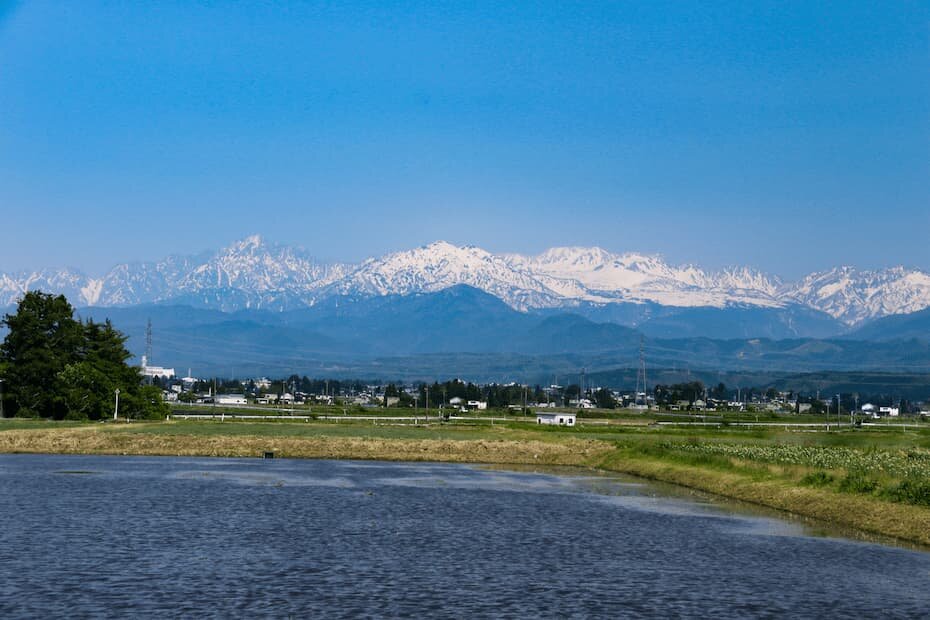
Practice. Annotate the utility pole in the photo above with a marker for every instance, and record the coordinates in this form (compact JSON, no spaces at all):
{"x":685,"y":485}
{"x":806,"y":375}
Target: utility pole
{"x":427,"y":404}
{"x":116,"y":408}
{"x":581,"y":388}
{"x":1,"y":398}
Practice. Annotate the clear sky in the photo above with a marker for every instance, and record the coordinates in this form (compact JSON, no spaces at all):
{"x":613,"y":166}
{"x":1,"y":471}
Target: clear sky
{"x":791,"y":136}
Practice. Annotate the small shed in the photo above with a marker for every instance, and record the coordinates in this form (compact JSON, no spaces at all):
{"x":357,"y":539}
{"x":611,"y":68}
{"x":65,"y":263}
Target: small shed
{"x":556,"y":418}
{"x":231,"y":399}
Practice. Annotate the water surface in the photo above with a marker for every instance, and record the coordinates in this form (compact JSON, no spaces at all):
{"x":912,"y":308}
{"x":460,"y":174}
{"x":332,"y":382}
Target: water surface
{"x":117,"y":536}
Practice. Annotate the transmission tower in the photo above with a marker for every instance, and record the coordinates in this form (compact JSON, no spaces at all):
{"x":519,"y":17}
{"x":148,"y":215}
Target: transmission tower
{"x":641,"y":374}
{"x":148,"y":340}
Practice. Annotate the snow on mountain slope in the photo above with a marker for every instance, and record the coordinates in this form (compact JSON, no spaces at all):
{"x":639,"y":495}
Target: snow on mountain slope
{"x":255,"y":274}
{"x":247,"y":274}
{"x":67,"y":282}
{"x":263,"y":270}
{"x":855,"y":296}
{"x":440,"y":265}
{"x":640,"y":278}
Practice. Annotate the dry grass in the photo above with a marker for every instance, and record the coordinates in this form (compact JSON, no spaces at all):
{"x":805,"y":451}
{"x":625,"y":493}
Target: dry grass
{"x":103,"y":441}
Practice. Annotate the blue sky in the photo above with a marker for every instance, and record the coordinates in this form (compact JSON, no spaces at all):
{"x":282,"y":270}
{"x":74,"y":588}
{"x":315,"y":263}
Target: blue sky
{"x":791,"y":136}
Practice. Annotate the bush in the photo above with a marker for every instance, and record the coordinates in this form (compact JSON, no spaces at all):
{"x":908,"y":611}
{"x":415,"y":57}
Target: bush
{"x":911,"y":491}
{"x":817,"y":479}
{"x":858,"y":482}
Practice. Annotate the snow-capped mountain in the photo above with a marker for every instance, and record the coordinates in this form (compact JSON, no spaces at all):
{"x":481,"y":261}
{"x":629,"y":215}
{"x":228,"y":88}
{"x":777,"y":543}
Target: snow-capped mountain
{"x":260,"y":275}
{"x":440,"y":265}
{"x":255,"y":274}
{"x":605,"y":277}
{"x":854,"y":296}
{"x":248,"y":274}
{"x":73,"y":284}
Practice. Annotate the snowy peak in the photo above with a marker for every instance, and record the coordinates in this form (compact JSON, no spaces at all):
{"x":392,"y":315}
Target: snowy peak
{"x":644,"y":278}
{"x":855,"y":296}
{"x":67,"y":282}
{"x":249,"y":244}
{"x":440,"y":265}
{"x":253,"y":273}
{"x":261,"y":274}
{"x":748,"y":279}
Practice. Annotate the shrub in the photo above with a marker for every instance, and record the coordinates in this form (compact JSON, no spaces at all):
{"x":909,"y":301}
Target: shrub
{"x":858,"y":482}
{"x":817,"y":479}
{"x":911,"y":491}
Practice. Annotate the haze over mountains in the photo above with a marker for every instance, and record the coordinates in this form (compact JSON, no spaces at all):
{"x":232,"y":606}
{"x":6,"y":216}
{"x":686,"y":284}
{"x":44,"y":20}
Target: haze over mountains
{"x":627,"y":288}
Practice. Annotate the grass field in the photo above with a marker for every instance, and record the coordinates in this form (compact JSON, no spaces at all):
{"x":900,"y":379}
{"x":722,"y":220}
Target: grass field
{"x":875,"y":479}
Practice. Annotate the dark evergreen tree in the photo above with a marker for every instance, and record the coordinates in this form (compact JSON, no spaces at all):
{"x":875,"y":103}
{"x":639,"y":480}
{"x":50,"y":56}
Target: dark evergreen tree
{"x":55,"y":366}
{"x":43,"y":339}
{"x":604,"y":399}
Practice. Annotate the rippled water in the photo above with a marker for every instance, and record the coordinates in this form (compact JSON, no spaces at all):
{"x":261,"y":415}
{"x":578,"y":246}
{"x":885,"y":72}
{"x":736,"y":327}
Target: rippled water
{"x":131,"y":536}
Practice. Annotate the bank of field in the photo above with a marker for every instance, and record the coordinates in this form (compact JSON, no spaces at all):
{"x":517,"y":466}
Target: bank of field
{"x":875,"y":480}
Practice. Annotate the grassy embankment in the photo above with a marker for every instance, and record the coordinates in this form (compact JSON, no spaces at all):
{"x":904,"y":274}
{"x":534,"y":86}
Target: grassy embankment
{"x":873,"y":480}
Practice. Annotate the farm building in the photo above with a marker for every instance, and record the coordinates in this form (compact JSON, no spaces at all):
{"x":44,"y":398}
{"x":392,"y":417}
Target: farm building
{"x":561,"y":419}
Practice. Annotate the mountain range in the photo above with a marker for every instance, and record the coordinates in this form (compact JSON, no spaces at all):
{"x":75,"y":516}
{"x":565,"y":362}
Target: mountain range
{"x":462,"y":331}
{"x":631,"y":289}
{"x":441,"y":310}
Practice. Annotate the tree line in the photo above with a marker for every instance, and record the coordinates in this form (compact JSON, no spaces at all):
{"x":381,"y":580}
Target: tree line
{"x":53,"y":365}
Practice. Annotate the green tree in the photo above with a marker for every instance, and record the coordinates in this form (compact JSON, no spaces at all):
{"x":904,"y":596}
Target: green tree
{"x":55,"y":366}
{"x":143,"y":402}
{"x":86,"y":391}
{"x":604,"y":399}
{"x":105,"y":349}
{"x":43,"y":339}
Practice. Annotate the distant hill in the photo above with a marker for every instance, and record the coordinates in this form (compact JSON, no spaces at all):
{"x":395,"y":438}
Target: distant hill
{"x":463,"y":330}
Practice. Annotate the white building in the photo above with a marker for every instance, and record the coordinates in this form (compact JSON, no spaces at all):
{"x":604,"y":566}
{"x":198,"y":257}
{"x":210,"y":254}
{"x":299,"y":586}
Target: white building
{"x":230,"y":399}
{"x":188,"y":382}
{"x":557,"y":418}
{"x":889,"y":411}
{"x":155,"y":371}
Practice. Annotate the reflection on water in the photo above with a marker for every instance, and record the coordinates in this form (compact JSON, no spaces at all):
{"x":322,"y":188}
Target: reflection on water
{"x":237,"y":537}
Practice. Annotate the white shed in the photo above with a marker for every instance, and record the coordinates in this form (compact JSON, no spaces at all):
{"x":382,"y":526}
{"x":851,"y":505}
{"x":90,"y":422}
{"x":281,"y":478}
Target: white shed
{"x":554,"y":417}
{"x":230,"y":399}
